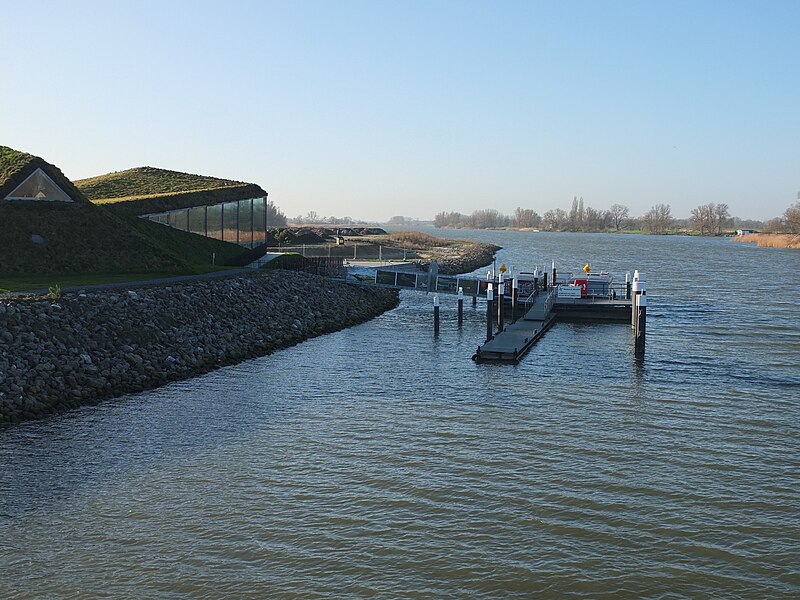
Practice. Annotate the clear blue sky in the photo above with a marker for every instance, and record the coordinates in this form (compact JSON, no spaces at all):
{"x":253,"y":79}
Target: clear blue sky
{"x":372,"y":109}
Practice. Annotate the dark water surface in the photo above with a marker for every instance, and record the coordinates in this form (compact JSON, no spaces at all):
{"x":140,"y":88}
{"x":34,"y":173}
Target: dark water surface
{"x":379,"y":461}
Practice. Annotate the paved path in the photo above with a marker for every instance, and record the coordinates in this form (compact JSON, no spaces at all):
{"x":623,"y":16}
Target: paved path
{"x":134,"y":284}
{"x":256,"y":264}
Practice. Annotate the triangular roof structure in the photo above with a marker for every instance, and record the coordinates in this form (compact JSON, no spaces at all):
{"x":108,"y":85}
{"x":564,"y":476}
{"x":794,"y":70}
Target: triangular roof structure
{"x":24,"y":177}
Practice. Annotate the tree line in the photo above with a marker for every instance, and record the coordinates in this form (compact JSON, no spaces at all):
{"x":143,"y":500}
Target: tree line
{"x":706,"y":219}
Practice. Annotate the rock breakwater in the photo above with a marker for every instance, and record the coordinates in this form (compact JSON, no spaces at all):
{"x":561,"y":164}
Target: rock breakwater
{"x":86,"y":347}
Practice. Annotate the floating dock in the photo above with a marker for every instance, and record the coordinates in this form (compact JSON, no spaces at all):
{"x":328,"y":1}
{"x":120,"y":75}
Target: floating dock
{"x":537,"y":301}
{"x":518,"y":338}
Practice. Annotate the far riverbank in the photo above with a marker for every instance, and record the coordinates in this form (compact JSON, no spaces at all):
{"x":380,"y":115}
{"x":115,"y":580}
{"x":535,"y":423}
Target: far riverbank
{"x":771,"y":240}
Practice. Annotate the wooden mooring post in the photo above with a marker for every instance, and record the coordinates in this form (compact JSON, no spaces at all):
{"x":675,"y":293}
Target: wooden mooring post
{"x":436,"y":315}
{"x":460,"y":306}
{"x":641,"y":325}
{"x":639,"y":312}
{"x":489,"y":313}
{"x":634,"y":292}
{"x":514,"y":299}
{"x":501,"y":289}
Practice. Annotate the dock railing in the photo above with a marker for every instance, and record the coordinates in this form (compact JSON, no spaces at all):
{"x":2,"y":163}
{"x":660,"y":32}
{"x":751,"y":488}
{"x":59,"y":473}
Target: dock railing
{"x":615,"y":292}
{"x":551,"y":298}
{"x":530,"y":300}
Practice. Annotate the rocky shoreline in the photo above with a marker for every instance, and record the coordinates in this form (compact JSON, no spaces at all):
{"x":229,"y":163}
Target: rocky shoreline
{"x":89,"y":346}
{"x":466,"y":259}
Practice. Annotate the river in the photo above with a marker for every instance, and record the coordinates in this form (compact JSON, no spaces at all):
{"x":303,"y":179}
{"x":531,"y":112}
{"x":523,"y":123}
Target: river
{"x":379,"y":461}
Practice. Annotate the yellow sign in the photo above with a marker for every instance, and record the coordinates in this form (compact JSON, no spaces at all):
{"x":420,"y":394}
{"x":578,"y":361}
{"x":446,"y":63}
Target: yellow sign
{"x":503,"y":269}
{"x":586,"y":268}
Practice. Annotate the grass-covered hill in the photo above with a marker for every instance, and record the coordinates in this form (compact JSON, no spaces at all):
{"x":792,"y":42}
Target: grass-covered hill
{"x":148,"y":181}
{"x":80,"y":237}
{"x":146,"y":190}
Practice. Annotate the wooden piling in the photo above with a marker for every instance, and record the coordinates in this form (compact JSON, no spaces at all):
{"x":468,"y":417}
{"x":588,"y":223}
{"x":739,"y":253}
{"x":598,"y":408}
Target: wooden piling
{"x":436,"y":315}
{"x":641,"y":325}
{"x":501,"y":288}
{"x":460,"y":306}
{"x":627,"y":286}
{"x":514,"y":299}
{"x":489,"y":313}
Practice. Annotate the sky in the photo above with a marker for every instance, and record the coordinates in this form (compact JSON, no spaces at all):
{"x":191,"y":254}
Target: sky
{"x":374,"y":109}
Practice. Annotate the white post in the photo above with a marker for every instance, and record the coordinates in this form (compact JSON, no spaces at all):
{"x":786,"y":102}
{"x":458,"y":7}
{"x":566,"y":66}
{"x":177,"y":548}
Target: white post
{"x":489,"y":312}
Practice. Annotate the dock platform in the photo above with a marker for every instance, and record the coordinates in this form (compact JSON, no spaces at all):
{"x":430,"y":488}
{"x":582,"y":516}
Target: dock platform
{"x":518,"y":338}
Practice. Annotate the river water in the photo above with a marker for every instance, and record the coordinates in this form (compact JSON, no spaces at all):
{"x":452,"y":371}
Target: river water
{"x":379,"y":461}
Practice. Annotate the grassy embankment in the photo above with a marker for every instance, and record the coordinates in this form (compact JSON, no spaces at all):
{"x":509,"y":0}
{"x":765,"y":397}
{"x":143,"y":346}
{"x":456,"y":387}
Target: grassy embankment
{"x":97,"y":243}
{"x":83,"y":249}
{"x":771,"y":240}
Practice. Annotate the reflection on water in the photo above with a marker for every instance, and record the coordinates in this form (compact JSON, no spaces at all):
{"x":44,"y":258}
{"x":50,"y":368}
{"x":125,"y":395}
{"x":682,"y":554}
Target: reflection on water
{"x":381,"y":460}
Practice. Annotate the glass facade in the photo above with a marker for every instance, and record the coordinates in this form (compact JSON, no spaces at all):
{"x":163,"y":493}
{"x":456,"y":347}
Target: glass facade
{"x":214,"y":221}
{"x":230,"y":225}
{"x":179,"y":219}
{"x":259,"y":222}
{"x":242,"y":222}
{"x":246,"y":223}
{"x":197,"y":220}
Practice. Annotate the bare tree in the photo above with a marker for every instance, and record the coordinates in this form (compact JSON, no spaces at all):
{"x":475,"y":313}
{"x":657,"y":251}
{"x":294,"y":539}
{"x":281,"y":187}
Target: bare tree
{"x":710,"y":218}
{"x":792,"y":218}
{"x":555,"y":220}
{"x":618,"y":214}
{"x":723,"y":217}
{"x":658,"y":219}
{"x":525,"y":217}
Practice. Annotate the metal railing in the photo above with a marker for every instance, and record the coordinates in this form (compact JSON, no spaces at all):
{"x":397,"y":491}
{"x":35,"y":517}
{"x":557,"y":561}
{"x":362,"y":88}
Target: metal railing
{"x":365,"y":251}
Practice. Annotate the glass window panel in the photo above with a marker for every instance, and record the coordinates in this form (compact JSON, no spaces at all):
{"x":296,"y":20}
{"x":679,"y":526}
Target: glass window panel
{"x":178,"y":219}
{"x":386,"y":277}
{"x":197,"y":220}
{"x":408,"y":280}
{"x":214,"y":216}
{"x":246,"y":223}
{"x":38,"y":186}
{"x":259,"y":236}
{"x":446,"y":284}
{"x":229,"y":221}
{"x":470,"y":286}
{"x":162,"y":218}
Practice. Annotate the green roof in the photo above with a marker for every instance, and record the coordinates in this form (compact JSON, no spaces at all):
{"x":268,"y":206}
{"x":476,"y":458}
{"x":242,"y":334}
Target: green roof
{"x":11,"y":162}
{"x":81,"y":237}
{"x":146,"y":182}
{"x":146,"y":190}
